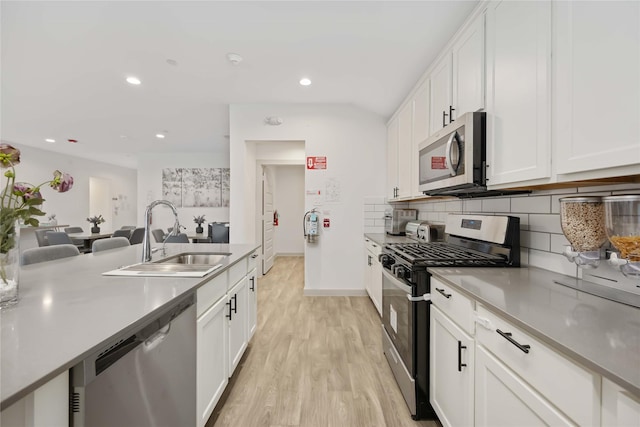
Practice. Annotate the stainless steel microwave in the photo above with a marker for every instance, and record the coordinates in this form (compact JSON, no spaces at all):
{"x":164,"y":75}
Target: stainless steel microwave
{"x":453,"y":160}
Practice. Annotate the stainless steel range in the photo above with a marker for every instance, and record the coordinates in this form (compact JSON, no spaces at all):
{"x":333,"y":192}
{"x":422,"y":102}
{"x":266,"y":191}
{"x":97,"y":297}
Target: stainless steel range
{"x":471,"y":241}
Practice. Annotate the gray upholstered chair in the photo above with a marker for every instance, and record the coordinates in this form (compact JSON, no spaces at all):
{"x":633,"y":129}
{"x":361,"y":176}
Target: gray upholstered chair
{"x":110,"y":243}
{"x":42,"y":241}
{"x":180,"y":238}
{"x":158,"y":235}
{"x":47,"y":253}
{"x":123,"y":232}
{"x":128,"y":227}
{"x":59,"y":238}
{"x":137,"y":236}
{"x":73,"y":230}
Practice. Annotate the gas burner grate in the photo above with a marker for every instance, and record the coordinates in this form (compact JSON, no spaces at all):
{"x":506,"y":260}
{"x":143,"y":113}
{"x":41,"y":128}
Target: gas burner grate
{"x":445,"y":255}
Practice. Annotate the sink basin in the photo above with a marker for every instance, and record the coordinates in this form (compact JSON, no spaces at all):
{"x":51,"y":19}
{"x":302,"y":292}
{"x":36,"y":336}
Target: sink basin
{"x":188,"y":258}
{"x":186,"y":264}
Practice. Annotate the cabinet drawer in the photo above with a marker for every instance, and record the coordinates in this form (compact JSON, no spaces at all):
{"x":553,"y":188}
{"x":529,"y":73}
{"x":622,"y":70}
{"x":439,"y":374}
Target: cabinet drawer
{"x":373,"y":247}
{"x":571,"y":388}
{"x":210,"y":292}
{"x":252,"y":259}
{"x":452,"y":303}
{"x":237,"y":272}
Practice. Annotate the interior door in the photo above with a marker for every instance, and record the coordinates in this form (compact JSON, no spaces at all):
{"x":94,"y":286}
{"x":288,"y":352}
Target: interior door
{"x":267,"y":223}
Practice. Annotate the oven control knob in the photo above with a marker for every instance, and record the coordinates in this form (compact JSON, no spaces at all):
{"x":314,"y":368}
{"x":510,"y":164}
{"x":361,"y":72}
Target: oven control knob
{"x":400,"y":271}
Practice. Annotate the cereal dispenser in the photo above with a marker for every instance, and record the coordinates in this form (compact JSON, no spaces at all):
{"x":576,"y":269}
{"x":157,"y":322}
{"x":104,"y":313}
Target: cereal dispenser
{"x":622,"y":223}
{"x":582,"y":221}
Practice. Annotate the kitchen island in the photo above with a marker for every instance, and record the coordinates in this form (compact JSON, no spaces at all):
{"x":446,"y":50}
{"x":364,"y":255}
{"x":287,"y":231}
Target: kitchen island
{"x":67,"y":309}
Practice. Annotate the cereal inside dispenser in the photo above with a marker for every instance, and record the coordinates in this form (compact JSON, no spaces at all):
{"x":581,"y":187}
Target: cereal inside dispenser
{"x":582,"y":221}
{"x":622,"y":220}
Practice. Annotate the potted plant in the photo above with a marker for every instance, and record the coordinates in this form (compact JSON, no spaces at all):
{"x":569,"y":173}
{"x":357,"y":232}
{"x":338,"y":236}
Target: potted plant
{"x":96,"y":221}
{"x":199,"y":220}
{"x":52,"y":219}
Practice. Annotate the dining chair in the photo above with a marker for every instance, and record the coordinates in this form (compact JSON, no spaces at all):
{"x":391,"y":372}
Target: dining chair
{"x":180,"y":238}
{"x":123,"y":232}
{"x":137,"y":236}
{"x":47,"y":253}
{"x":59,"y":238}
{"x":73,"y":230}
{"x":128,"y":227}
{"x":40,"y":237}
{"x":110,"y":243}
{"x":158,"y":235}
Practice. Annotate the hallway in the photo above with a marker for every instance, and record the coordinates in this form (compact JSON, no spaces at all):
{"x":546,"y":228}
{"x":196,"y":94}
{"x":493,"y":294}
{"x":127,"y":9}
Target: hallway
{"x":313,"y":361}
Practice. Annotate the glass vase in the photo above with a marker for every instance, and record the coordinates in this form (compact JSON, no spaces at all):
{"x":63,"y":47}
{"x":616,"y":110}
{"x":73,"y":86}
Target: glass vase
{"x":9,"y":264}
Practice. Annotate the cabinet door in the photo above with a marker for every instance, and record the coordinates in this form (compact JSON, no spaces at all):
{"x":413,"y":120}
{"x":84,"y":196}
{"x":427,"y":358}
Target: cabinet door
{"x":238,"y":327}
{"x":468,"y":69}
{"x":451,"y":368}
{"x":619,"y":407}
{"x":392,"y":159}
{"x":596,"y":91}
{"x":518,"y":100}
{"x":440,"y":94}
{"x":253,"y":303}
{"x":420,"y":130}
{"x":212,"y":358}
{"x":376,"y":283}
{"x":368,"y":265}
{"x":503,"y":399}
{"x":405,"y":145}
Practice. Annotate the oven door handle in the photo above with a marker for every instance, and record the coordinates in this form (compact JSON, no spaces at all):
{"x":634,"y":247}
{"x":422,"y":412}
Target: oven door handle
{"x":397,"y":283}
{"x":425,"y":297}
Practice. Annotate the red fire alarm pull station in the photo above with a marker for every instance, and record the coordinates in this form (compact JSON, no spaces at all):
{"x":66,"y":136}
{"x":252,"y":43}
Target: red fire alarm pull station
{"x":326,"y":223}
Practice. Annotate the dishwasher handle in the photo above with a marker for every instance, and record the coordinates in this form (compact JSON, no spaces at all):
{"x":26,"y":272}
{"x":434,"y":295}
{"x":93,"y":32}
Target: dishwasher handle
{"x":156,"y":339}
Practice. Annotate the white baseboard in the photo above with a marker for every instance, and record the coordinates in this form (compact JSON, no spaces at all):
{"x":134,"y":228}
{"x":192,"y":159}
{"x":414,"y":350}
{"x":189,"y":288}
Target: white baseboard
{"x":289,"y":254}
{"x":335,"y":293}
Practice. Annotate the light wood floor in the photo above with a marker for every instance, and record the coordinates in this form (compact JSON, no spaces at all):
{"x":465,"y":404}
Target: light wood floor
{"x":313,"y":361}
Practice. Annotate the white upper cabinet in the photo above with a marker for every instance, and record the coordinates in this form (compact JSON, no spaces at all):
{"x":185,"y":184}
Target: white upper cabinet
{"x":405,"y":146}
{"x":468,"y":69}
{"x":392,"y":159}
{"x":596,"y":91}
{"x":420,"y":129}
{"x":440,"y":105}
{"x":518,"y":92}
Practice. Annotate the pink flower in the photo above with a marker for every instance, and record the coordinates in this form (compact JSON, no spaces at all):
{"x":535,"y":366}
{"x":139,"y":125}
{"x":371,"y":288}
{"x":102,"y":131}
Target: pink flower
{"x":62,"y":182}
{"x":9,"y":155}
{"x":26,"y":191}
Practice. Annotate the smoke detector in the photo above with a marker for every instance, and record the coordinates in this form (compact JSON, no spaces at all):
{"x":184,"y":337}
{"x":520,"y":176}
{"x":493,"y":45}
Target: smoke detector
{"x":234,"y":58}
{"x":273,"y":121}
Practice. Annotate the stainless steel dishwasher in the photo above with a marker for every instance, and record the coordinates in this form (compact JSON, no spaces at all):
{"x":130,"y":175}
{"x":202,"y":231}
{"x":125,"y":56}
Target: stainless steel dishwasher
{"x":144,"y":378}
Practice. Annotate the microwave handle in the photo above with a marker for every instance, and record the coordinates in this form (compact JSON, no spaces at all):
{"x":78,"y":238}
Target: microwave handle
{"x":453,"y":171}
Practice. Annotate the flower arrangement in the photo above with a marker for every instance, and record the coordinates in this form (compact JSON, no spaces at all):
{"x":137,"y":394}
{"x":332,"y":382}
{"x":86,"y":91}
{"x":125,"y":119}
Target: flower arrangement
{"x":96,"y":220}
{"x":199,"y":220}
{"x":19,"y":201}
{"x":51,"y":217}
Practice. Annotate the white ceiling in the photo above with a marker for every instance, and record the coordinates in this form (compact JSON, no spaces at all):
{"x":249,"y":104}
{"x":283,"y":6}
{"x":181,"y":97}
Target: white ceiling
{"x":64,"y":65}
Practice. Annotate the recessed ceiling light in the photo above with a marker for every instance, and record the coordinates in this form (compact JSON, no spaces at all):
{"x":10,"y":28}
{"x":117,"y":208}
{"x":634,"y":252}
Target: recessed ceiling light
{"x":50,"y":140}
{"x":133,"y":80}
{"x":172,"y":62}
{"x":234,"y":58}
{"x":305,"y":82}
{"x":160,"y":135}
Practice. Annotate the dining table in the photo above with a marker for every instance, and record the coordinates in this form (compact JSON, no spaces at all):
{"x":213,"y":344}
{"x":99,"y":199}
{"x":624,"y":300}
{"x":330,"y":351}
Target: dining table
{"x":88,"y":238}
{"x":199,"y":237}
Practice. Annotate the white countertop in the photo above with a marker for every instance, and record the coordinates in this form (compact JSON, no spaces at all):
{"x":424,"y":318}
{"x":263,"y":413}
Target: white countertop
{"x":67,"y":308}
{"x":601,"y":334}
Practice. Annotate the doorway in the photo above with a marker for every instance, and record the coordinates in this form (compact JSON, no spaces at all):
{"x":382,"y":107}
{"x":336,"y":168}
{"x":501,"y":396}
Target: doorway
{"x":100,"y":200}
{"x":267,"y":219}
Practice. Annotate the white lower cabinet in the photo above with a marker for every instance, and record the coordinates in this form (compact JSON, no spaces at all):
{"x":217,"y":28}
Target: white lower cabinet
{"x":503,"y":399}
{"x":253,"y":303}
{"x":619,"y":407}
{"x":238,"y":299}
{"x":452,"y":367}
{"x":212,"y":358}
{"x":373,"y":273}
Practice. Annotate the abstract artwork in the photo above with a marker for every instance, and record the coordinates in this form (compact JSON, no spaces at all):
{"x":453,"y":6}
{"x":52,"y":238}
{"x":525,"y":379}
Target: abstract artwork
{"x":196,"y":187}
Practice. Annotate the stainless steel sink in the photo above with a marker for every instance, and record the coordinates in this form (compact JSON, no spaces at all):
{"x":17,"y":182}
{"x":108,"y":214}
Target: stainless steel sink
{"x":207,"y":258}
{"x":186,"y":264}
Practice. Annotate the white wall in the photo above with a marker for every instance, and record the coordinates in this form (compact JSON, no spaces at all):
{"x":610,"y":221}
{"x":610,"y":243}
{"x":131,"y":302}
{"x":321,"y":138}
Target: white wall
{"x":289,"y":202}
{"x":150,"y":186}
{"x":72,"y":207}
{"x":354,"y":142}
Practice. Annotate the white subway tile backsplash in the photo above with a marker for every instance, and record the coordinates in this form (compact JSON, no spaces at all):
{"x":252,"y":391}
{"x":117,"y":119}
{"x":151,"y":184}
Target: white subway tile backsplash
{"x":496,"y":205}
{"x":369,"y":208}
{"x":472,"y":205}
{"x":379,"y":222}
{"x":440,"y":207}
{"x":454,"y":206}
{"x":531,"y":204}
{"x":524,"y":220}
{"x":381,"y":208}
{"x":373,"y":230}
{"x":369,"y":222}
{"x":547,"y":223}
{"x":535,"y":240}
{"x":373,"y":215}
{"x":558,"y":243}
{"x":524,"y":257}
{"x":553,"y":262}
